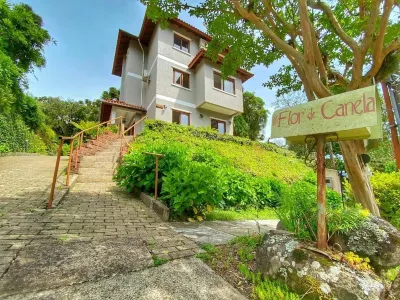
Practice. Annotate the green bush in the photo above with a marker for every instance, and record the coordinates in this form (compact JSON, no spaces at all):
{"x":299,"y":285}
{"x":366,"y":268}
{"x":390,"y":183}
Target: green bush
{"x":240,"y":192}
{"x":193,"y":188}
{"x":36,"y":144}
{"x":298,"y":211}
{"x":387,"y":191}
{"x":138,"y":169}
{"x":249,"y":175}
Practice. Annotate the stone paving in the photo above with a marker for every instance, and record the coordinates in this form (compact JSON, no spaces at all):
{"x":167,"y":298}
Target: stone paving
{"x":91,"y":211}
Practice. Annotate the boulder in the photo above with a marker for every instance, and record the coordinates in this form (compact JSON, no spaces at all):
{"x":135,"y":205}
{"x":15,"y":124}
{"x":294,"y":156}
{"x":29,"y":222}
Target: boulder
{"x":394,"y":292}
{"x":308,"y":272}
{"x":376,"y":239}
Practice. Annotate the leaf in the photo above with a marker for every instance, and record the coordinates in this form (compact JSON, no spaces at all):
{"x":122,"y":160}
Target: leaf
{"x":191,"y":220}
{"x":209,"y":208}
{"x":195,"y":210}
{"x":199,"y":218}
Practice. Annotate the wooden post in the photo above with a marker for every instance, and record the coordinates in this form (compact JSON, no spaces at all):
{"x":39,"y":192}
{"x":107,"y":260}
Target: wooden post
{"x":71,"y":149}
{"x":322,"y":236}
{"x":156,"y":175}
{"x":76,"y":153}
{"x":53,"y":185}
{"x":392,"y":125}
{"x":156,"y":186}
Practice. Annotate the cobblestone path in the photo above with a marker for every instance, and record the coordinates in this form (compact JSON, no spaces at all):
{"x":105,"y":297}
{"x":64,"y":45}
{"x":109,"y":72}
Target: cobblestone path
{"x":91,"y":211}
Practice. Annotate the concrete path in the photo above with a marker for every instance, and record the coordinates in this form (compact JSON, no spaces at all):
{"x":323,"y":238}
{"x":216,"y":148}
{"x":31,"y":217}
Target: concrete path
{"x":180,"y":279}
{"x":221,"y":232}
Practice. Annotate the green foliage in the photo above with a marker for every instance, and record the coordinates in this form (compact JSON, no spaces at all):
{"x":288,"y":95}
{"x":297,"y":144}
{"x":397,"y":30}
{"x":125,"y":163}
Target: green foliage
{"x":252,"y":122}
{"x":298,"y":211}
{"x":15,"y":136}
{"x":60,"y":114}
{"x":202,"y":170}
{"x":390,"y":167}
{"x":387,"y":191}
{"x":392,"y":273}
{"x":238,"y":215}
{"x":112,"y":93}
{"x":85,"y":125}
{"x":357,"y":262}
{"x":159,"y":261}
{"x":193,"y":188}
{"x":265,"y":289}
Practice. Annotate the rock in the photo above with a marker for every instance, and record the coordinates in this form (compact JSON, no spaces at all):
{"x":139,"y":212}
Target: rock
{"x":282,"y":257}
{"x":376,"y":239}
{"x":280,"y":226}
{"x":394,"y":292}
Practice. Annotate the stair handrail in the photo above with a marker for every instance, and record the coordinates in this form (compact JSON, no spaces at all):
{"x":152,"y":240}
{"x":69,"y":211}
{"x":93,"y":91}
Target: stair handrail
{"x":78,"y":136}
{"x":124,"y":139}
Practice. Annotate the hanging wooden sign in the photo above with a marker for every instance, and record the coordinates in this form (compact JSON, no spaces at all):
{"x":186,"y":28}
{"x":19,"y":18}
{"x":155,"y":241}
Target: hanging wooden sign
{"x":348,"y":116}
{"x":352,"y":115}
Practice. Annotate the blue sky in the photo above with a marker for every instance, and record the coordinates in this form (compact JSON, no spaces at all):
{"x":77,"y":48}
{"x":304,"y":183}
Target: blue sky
{"x":79,"y":66}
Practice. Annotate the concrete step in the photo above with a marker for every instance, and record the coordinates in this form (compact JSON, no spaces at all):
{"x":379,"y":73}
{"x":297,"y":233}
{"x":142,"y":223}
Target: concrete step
{"x":95,"y":171}
{"x":95,"y":178}
{"x":97,"y":158}
{"x":99,"y":164}
{"x":108,"y":153}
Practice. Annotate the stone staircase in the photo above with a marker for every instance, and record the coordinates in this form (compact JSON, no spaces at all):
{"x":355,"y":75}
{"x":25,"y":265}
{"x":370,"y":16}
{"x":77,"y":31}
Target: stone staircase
{"x":100,"y":167}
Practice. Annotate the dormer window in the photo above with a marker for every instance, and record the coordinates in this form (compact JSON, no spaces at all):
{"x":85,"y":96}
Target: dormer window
{"x":181,"y":43}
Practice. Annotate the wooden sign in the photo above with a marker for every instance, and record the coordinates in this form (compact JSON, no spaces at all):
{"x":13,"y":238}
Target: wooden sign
{"x":349,"y":116}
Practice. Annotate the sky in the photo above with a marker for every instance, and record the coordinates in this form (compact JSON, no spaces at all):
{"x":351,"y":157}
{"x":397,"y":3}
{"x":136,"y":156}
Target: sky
{"x":79,"y":64}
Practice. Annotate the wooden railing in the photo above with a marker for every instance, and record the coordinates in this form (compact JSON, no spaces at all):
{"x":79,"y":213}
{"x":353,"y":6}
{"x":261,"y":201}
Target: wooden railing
{"x":124,"y":142}
{"x":79,"y":138}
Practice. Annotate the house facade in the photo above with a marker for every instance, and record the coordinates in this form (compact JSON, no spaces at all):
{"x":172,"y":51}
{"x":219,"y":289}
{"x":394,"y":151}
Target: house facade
{"x":166,"y":76}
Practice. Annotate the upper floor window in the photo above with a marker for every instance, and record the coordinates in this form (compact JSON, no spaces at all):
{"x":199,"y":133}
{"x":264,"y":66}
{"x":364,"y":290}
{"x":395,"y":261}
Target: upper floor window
{"x":181,"y":78}
{"x":181,"y":43}
{"x":180,"y":117}
{"x":227,"y":85}
{"x":219,"y":125}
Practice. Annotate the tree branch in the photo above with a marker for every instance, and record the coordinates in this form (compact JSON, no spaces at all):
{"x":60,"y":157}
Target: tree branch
{"x":370,"y":28}
{"x":303,"y":78}
{"x":378,"y":43}
{"x":250,"y":16}
{"x":335,"y":23}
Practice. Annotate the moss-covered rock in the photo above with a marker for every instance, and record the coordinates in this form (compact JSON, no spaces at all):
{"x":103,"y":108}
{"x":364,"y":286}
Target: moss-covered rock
{"x":376,"y":239}
{"x":284,"y":258}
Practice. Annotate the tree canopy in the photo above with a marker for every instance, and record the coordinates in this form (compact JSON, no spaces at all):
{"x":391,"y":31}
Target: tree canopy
{"x":111,"y":93}
{"x":252,"y":122}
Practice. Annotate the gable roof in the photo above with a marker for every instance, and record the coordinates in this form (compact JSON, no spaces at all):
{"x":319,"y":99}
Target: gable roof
{"x":123,"y":104}
{"x":144,"y":37}
{"x":245,"y":75}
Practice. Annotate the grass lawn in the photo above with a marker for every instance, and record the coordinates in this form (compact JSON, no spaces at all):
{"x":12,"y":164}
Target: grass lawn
{"x":233,"y":215}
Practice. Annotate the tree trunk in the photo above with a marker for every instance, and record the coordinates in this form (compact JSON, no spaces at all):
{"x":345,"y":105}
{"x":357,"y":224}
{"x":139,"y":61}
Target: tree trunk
{"x":358,"y":176}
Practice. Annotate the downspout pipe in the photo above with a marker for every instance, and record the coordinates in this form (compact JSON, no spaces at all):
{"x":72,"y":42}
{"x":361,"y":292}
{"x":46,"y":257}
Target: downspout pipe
{"x":141,"y":88}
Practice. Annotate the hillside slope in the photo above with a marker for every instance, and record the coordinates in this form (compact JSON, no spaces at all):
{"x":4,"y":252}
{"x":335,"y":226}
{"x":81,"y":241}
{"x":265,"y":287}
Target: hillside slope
{"x":202,"y":169}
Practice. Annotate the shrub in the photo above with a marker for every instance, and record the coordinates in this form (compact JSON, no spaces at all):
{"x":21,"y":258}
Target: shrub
{"x":138,"y":169}
{"x":387,"y":191}
{"x":298,"y":211}
{"x":193,"y":188}
{"x":240,"y":192}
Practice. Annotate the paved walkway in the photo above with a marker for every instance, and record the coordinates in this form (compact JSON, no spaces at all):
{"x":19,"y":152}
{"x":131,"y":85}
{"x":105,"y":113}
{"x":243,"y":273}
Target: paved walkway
{"x":96,"y":232}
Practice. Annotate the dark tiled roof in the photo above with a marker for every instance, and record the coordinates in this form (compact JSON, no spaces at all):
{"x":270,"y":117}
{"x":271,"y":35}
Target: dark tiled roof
{"x":123,"y":104}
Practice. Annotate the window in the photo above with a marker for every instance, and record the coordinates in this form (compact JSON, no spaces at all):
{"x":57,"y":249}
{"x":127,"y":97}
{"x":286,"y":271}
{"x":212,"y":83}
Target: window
{"x":181,"y":78}
{"x":227,"y":85}
{"x":181,"y":43}
{"x":180,"y":117}
{"x":219,"y":125}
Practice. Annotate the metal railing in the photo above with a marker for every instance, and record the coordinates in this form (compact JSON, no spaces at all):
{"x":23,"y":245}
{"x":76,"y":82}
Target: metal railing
{"x":79,"y":138}
{"x":124,"y":142}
